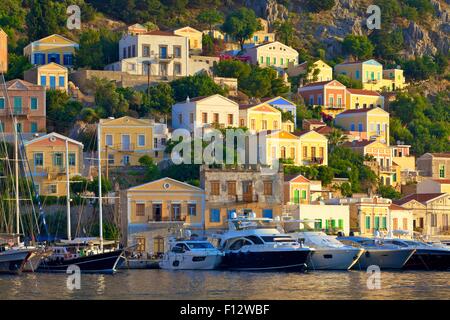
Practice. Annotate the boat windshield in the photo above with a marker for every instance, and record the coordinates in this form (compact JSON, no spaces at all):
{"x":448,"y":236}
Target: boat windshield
{"x":268,"y":239}
{"x":254,"y":224}
{"x":200,"y":245}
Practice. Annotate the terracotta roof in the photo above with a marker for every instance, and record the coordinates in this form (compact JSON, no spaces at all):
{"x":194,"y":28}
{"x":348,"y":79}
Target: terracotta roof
{"x":324,"y":130}
{"x":442,"y":181}
{"x":394,"y":206}
{"x":441,"y":155}
{"x":161,"y":33}
{"x":314,"y":121}
{"x":299,"y":133}
{"x":320,"y":83}
{"x":197,"y":98}
{"x":297,"y":177}
{"x":363,"y":110}
{"x":363,"y":92}
{"x":420,"y":197}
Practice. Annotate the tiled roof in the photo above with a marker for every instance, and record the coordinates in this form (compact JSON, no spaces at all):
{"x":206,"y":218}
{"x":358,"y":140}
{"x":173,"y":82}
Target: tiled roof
{"x":363,"y":110}
{"x":314,"y":121}
{"x":324,"y":130}
{"x":313,"y":84}
{"x":441,"y":155}
{"x":297,"y":177}
{"x":356,"y":144}
{"x":442,"y":181}
{"x":363,"y":92}
{"x":161,"y":33}
{"x":394,"y":206}
{"x":420,"y":197}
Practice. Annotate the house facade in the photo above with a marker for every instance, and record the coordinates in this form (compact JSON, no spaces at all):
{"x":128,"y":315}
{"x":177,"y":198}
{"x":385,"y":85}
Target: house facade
{"x":154,"y":53}
{"x":125,"y":140}
{"x":3,"y":51}
{"x":329,"y":94}
{"x":49,"y":156}
{"x":272,"y":54}
{"x":54,"y":48}
{"x":402,"y":219}
{"x":296,"y":190}
{"x":202,"y":112}
{"x":434,"y":186}
{"x":434,"y":165}
{"x":285,"y":105}
{"x":152,"y":211}
{"x":27,"y":102}
{"x":363,"y":99}
{"x":259,"y":117}
{"x":240,"y":190}
{"x":51,"y":76}
{"x":313,"y":148}
{"x":368,"y":124}
{"x":319,"y":71}
{"x":194,"y":36}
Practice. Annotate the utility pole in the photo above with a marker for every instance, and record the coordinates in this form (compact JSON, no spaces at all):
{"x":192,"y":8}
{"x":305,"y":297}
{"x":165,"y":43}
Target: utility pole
{"x":107,"y":162}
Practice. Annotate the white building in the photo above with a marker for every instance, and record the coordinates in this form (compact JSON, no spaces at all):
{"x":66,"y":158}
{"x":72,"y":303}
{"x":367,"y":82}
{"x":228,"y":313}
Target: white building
{"x":161,"y":53}
{"x":273,"y":54}
{"x":202,"y":112}
{"x":335,"y":217}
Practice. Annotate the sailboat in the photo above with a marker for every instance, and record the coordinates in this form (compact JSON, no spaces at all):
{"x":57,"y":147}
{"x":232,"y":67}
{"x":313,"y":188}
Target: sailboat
{"x":89,"y":254}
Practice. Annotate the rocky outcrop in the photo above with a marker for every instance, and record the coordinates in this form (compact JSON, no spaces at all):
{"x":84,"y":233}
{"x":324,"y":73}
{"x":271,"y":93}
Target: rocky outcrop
{"x":270,"y":10}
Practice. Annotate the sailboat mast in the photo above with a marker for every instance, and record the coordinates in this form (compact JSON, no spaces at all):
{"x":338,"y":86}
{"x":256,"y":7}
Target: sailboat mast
{"x":16,"y":168}
{"x":100,"y":202}
{"x":69,"y":232}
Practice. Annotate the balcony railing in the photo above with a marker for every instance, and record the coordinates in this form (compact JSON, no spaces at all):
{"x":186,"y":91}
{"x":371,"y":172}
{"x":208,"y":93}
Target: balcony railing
{"x":127,"y":147}
{"x":314,"y":160}
{"x":246,"y":198}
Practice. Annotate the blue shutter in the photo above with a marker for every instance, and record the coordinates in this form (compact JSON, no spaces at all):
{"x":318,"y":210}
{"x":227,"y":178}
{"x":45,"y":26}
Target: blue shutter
{"x":267,"y":213}
{"x":43,"y":80}
{"x":52,"y":82}
{"x":214,"y":215}
{"x":61,"y":81}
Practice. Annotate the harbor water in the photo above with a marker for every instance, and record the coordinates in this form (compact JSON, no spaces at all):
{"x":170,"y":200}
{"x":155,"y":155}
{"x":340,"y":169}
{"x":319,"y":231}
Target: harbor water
{"x":162,"y":284}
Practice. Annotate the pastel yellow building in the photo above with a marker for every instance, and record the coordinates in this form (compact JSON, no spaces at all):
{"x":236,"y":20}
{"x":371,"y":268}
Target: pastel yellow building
{"x":194,"y":36}
{"x":125,"y":140}
{"x":368,"y":215}
{"x":288,"y":126}
{"x":152,"y":210}
{"x":281,"y":145}
{"x":47,"y":158}
{"x":259,"y":117}
{"x":313,"y":148}
{"x":3,"y":51}
{"x":371,"y":75}
{"x":296,"y":189}
{"x":319,"y":71}
{"x":368,"y":124}
{"x":362,"y":99}
{"x":52,"y":76}
{"x":54,"y":48}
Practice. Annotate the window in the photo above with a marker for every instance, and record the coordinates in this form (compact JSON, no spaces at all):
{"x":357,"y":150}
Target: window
{"x":34,"y":127}
{"x":281,"y":61}
{"x":283,"y":153}
{"x":177,"y":68}
{"x":126,"y":160}
{"x":2,"y":103}
{"x":129,"y":51}
{"x":433,"y":220}
{"x":311,"y":100}
{"x":68,"y":59}
{"x":204,"y":117}
{"x":303,"y":194}
{"x":52,"y":188}
{"x":319,"y":100}
{"x":124,"y":53}
{"x":19,"y":127}
{"x":133,"y":50}
{"x":155,"y":143}
{"x":176,"y":211}
{"x":214,"y":215}
{"x":231,"y":187}
{"x":352,"y":127}
{"x":141,"y":140}
{"x":331,"y":99}
{"x":72,"y":159}
{"x":58,"y":159}
{"x":192,"y":209}
{"x":275,"y":125}
{"x":267,"y":188}
{"x":274,"y":60}
{"x":261,"y":60}
{"x":140,"y":209}
{"x":17,"y":104}
{"x":39,"y":58}
{"x":215,"y":118}
{"x":367,"y":222}
{"x":52,"y":82}
{"x":292,"y":153}
{"x":62,"y":81}
{"x":339,"y":101}
{"x":268,"y":61}
{"x":357,"y":74}
{"x":313,"y":152}
{"x":191,"y":118}
{"x":140,"y":244}
{"x":146,"y":50}
{"x":318,"y":224}
{"x":442,"y":171}
{"x":383,"y":222}
{"x":267,"y":213}
{"x":253,"y":124}
{"x":305,"y":152}
{"x":377,"y":223}
{"x":43,"y":81}
{"x":341,"y":224}
{"x":264,"y":124}
{"x":405,"y":223}
{"x":242,"y":122}
{"x":33,"y":103}
{"x":215,"y":188}
{"x":321,"y":152}
{"x":38,"y":159}
{"x":180,"y":118}
{"x":230,"y":119}
{"x":177,"y":51}
{"x":110,"y":159}
{"x":255,"y":38}
{"x":360,"y":127}
{"x":109,"y":140}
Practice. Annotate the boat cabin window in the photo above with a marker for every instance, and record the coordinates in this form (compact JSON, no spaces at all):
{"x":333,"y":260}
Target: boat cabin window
{"x":255,"y":239}
{"x":239,"y":244}
{"x":277,"y":239}
{"x":399,"y":243}
{"x":200,"y":245}
{"x":180,"y":248}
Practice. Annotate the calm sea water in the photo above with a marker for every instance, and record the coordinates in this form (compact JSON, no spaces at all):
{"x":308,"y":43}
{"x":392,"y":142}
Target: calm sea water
{"x":161,"y":284}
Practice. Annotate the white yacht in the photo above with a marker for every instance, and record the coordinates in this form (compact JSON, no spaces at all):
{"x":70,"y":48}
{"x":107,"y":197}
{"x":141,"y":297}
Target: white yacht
{"x":329,"y":253}
{"x":191,"y":254}
{"x":255,"y":244}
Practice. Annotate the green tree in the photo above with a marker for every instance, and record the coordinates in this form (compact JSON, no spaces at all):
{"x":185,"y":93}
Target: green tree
{"x":388,"y":192}
{"x":349,"y":82}
{"x":241,"y":24}
{"x":285,"y":32}
{"x":210,"y":18}
{"x":44,"y":18}
{"x":232,"y":69}
{"x":17,"y":65}
{"x":151,"y":169}
{"x":62,"y":112}
{"x":336,"y":138}
{"x":320,"y":5}
{"x":109,"y":102}
{"x":195,"y":86}
{"x":160,"y":99}
{"x":97,"y":48}
{"x":358,"y":46}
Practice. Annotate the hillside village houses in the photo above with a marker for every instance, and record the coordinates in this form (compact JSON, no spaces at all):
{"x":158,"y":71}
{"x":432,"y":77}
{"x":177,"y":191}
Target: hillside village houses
{"x":125,"y":140}
{"x":272,"y":54}
{"x":52,"y":76}
{"x":434,"y":165}
{"x":54,"y":48}
{"x":52,"y":158}
{"x":319,"y":71}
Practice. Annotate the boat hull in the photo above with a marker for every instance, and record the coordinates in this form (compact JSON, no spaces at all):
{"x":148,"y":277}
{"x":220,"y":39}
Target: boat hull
{"x":99,"y":263}
{"x":429,"y":259}
{"x":333,"y":258}
{"x":190,"y":262}
{"x":384,"y":258}
{"x":288,"y":260}
{"x":12,"y":261}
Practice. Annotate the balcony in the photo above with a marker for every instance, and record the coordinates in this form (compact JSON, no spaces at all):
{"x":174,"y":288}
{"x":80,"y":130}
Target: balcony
{"x":123,"y":147}
{"x":246,"y":198}
{"x":165,"y":57}
{"x":55,"y":170}
{"x":313,"y":160}
{"x":20,"y":112}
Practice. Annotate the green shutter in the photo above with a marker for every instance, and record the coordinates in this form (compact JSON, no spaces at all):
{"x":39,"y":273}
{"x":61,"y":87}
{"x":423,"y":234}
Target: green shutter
{"x":384,"y":223}
{"x":303,"y":194}
{"x":318,"y":224}
{"x":377,"y":223}
{"x":341,"y":223}
{"x":296,"y":196}
{"x":367,"y":222}
{"x":333,"y":223}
